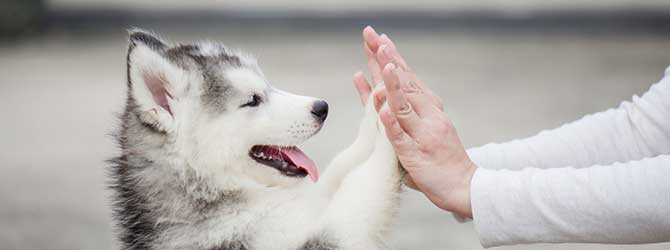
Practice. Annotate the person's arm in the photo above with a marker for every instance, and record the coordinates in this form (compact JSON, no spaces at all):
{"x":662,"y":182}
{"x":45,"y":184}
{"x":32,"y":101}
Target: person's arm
{"x":620,"y":198}
{"x":635,"y":130}
{"x":625,"y":203}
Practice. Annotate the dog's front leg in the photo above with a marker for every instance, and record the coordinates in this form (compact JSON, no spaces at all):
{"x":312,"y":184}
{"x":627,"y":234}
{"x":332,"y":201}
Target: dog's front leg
{"x":355,"y":154}
{"x":362,"y":209}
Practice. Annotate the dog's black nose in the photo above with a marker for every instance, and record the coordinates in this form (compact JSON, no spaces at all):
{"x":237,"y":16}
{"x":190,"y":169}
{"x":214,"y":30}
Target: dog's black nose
{"x":320,"y":110}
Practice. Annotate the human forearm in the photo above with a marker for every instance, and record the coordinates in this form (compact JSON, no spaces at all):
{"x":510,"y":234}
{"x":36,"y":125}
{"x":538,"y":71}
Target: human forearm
{"x":621,"y":203}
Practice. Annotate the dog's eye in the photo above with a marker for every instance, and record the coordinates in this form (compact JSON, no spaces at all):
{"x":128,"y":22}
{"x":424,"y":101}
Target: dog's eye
{"x":255,"y":101}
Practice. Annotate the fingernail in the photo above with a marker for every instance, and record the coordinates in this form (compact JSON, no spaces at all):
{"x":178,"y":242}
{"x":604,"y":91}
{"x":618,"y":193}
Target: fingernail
{"x":385,"y":39}
{"x":370,"y":28}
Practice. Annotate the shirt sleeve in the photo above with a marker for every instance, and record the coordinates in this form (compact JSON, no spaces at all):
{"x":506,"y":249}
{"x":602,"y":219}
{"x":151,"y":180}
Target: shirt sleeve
{"x":635,"y":130}
{"x":624,"y":203}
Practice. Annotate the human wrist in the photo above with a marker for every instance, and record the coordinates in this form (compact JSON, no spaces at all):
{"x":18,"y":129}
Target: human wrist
{"x":463,"y":198}
{"x":456,"y":198}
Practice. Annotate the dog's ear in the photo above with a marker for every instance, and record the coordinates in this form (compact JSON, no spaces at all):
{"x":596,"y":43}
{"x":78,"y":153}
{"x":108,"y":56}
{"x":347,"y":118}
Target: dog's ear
{"x":154,"y":81}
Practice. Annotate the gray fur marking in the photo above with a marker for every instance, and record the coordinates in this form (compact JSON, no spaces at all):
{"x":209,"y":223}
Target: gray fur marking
{"x":319,"y":242}
{"x":215,"y":92}
{"x":215,"y":87}
{"x":236,"y":245}
{"x":138,"y":200}
{"x":150,"y":198}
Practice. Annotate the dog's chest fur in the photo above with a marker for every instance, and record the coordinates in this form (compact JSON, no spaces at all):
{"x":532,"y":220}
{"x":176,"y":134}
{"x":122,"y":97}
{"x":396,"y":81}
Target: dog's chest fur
{"x":157,"y":208}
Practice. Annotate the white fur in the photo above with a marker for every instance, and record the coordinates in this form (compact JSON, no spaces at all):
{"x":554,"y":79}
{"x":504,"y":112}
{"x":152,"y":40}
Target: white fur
{"x":353,"y":202}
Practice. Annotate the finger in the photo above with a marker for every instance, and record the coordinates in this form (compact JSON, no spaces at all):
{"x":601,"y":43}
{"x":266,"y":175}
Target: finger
{"x":373,"y":66}
{"x":421,"y":103}
{"x":428,"y":94}
{"x":409,"y":121}
{"x":362,"y":86}
{"x":402,"y":143}
{"x":383,"y":56}
{"x":370,"y":44}
{"x":380,"y":97}
{"x":395,"y":55}
{"x":389,"y":54}
{"x":371,"y":38}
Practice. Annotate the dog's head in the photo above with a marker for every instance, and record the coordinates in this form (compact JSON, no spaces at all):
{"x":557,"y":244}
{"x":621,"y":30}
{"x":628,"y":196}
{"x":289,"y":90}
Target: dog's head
{"x":218,"y":114}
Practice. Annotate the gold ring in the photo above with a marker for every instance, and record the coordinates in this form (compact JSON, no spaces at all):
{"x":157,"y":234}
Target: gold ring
{"x":405,"y":110}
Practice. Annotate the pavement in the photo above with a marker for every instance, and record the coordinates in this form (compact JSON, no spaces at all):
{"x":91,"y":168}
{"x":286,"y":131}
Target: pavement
{"x":60,"y":91}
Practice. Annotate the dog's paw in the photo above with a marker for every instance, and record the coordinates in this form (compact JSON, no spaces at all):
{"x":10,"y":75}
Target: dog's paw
{"x":370,"y":125}
{"x":376,"y":104}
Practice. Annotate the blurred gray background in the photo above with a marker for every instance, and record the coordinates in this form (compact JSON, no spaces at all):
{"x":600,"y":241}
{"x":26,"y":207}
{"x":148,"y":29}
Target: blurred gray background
{"x":506,"y":69}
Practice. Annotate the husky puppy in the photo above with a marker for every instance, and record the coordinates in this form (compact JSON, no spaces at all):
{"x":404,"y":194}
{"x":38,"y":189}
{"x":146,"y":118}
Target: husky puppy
{"x":209,"y":160}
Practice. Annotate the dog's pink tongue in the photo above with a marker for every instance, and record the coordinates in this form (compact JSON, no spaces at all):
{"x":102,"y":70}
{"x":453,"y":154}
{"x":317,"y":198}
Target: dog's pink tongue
{"x":302,"y":161}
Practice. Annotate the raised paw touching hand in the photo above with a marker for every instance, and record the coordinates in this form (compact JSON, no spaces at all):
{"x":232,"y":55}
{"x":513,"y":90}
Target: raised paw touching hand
{"x":421,"y":133}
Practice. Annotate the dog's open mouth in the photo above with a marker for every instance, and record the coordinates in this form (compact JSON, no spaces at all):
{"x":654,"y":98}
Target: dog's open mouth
{"x":290,"y":161}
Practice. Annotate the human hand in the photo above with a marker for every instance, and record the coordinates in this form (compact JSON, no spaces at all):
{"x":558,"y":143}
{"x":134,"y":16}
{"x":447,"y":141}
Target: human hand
{"x":422,"y":135}
{"x":371,"y":44}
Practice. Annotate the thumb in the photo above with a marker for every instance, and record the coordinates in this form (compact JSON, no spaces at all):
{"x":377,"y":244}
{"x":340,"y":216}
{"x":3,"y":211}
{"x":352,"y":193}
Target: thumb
{"x":402,"y":143}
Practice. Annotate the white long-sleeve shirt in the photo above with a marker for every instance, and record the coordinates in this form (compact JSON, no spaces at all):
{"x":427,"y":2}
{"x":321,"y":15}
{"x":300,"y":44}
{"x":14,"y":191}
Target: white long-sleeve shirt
{"x":602,"y":179}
